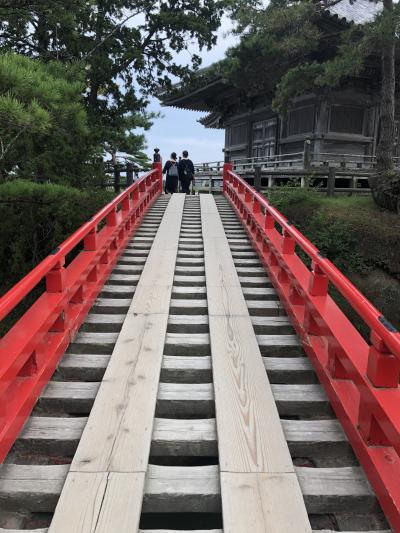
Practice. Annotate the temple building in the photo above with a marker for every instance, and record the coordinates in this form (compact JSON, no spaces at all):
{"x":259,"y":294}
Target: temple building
{"x":335,"y":122}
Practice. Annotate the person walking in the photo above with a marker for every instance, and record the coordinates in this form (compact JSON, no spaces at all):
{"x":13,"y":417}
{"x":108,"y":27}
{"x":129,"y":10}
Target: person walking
{"x":172,"y":174}
{"x":186,"y":172}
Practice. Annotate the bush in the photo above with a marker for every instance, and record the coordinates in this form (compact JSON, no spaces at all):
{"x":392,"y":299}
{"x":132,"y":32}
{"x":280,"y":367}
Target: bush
{"x":360,"y":238}
{"x":35,"y":219}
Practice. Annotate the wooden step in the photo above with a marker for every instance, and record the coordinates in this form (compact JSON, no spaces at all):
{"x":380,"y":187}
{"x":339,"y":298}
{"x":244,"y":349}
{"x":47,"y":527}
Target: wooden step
{"x":111,"y":305}
{"x":265,"y":308}
{"x":103,"y":322}
{"x":69,"y":396}
{"x":192,"y":281}
{"x":291,"y":400}
{"x":117,"y":291}
{"x":285,"y":345}
{"x":93,"y":342}
{"x":259,"y":293}
{"x":320,"y":440}
{"x":193,"y":293}
{"x":182,"y":489}
{"x":184,"y":437}
{"x":82,"y":367}
{"x":188,"y":324}
{"x":289,"y":370}
{"x":180,"y":369}
{"x":123,"y":279}
{"x":181,"y":400}
{"x":188,"y":489}
{"x":188,"y":307}
{"x":187,"y":344}
{"x":264,"y":325}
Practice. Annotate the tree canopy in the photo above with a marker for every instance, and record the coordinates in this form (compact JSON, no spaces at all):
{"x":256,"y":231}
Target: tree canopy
{"x":125,"y":50}
{"x":43,"y":122}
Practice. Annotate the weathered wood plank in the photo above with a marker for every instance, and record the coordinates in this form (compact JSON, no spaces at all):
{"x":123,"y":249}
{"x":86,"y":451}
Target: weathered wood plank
{"x":112,"y":456}
{"x":179,"y":369}
{"x":185,"y":400}
{"x":171,"y":489}
{"x":251,"y":445}
{"x":184,"y":437}
{"x":110,"y":503}
{"x":321,"y":439}
{"x":175,"y":489}
{"x":85,"y":367}
{"x":288,"y":370}
{"x":260,"y":502}
{"x":187,"y":344}
{"x":125,"y":404}
{"x":291,"y":400}
{"x":272,"y":345}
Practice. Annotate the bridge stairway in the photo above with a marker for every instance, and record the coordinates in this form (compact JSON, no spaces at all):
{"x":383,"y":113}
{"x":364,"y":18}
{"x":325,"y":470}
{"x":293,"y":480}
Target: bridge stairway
{"x":185,"y":402}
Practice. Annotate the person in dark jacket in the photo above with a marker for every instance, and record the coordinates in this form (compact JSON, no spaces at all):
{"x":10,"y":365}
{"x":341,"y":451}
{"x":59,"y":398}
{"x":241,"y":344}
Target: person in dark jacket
{"x":186,"y":172}
{"x":172,"y":174}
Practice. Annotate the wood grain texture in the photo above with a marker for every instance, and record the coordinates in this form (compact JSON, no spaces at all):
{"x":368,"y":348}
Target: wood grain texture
{"x":263,"y":503}
{"x":110,"y":503}
{"x":112,"y":456}
{"x":257,"y":473}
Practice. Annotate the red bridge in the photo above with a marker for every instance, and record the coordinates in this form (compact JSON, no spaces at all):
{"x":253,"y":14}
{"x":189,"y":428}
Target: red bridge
{"x":188,"y":369}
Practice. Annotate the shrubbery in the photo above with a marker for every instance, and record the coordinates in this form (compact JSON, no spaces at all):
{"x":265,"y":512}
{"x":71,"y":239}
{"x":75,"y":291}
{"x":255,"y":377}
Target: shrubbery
{"x":35,"y":219}
{"x":357,"y":236}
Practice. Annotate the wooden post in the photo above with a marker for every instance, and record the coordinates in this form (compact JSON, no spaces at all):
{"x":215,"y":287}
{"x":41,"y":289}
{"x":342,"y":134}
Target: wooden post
{"x":307,"y":154}
{"x":117,"y":178}
{"x":257,"y":178}
{"x":270,"y":182}
{"x":330,"y":190}
{"x":129,"y":174}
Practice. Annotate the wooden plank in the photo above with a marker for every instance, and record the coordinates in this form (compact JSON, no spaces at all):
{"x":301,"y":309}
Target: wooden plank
{"x":251,"y":441}
{"x":184,"y":437}
{"x":110,"y":503}
{"x":112,"y":456}
{"x":260,"y":502}
{"x":172,"y":489}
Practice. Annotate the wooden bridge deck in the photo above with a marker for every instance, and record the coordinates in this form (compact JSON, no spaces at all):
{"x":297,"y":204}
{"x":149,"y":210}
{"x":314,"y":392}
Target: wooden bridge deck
{"x":185,"y":402}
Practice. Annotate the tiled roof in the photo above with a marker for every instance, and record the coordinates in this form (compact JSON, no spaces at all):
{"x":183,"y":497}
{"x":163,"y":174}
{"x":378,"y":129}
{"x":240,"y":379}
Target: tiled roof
{"x":358,"y":11}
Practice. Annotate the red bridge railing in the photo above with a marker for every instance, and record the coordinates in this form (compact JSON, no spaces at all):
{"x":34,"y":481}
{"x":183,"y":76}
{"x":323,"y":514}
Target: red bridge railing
{"x":30,"y":351}
{"x":361,"y":379}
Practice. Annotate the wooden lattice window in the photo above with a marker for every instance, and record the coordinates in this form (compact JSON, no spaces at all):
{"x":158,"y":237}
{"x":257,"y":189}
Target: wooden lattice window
{"x":300,"y":121}
{"x":238,"y":134}
{"x":347,"y":119}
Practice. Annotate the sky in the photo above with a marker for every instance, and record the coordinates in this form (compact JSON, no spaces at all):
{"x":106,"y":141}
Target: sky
{"x":178,"y":129}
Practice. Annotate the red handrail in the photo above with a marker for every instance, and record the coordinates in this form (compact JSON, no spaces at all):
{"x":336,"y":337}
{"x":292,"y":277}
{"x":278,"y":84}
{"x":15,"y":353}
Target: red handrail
{"x":360,"y":379}
{"x":17,"y":293}
{"x":354,"y":297}
{"x":30,"y":351}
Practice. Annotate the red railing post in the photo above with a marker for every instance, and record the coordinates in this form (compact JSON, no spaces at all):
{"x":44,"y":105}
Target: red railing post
{"x":225,"y":175}
{"x":90,"y":241}
{"x":383,"y":367}
{"x":158,"y":175}
{"x":55,"y":279}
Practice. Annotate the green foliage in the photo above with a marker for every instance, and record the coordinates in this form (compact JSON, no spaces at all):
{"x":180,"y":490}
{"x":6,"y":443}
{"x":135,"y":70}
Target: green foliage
{"x":289,"y":48}
{"x":126,"y":49}
{"x":358,"y":237}
{"x":43,"y":133}
{"x":36,"y":218}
